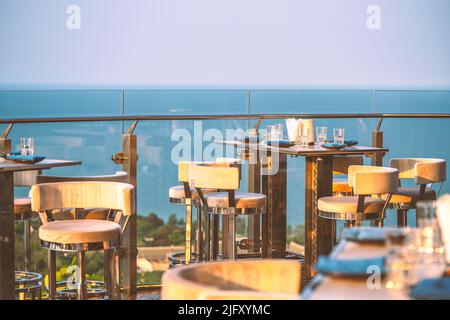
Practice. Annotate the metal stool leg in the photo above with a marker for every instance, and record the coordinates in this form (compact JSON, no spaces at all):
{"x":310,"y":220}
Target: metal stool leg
{"x":51,"y":274}
{"x":112,"y":284}
{"x":199,"y":248}
{"x":215,"y":236}
{"x":225,"y":233}
{"x":107,"y":278}
{"x":81,"y":276}
{"x":188,"y":235}
{"x":232,"y":237}
{"x":206,"y":234}
{"x":265,"y":237}
{"x":27,"y":243}
{"x":116,"y":274}
{"x":402,"y":218}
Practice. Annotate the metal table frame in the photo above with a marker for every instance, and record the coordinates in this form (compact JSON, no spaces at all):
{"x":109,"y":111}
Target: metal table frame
{"x":319,"y":233}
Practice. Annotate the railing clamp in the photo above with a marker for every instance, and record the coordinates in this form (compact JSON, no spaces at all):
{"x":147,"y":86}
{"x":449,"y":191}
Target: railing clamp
{"x":119,"y":157}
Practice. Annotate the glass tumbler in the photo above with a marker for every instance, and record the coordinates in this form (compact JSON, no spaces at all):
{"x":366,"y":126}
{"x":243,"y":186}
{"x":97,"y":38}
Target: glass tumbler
{"x":27,"y":146}
{"x":339,"y":135}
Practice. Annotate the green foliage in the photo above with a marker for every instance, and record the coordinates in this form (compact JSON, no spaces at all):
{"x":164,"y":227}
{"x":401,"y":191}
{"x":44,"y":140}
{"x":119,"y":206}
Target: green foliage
{"x":150,"y":277}
{"x":151,"y":231}
{"x":296,"y":233}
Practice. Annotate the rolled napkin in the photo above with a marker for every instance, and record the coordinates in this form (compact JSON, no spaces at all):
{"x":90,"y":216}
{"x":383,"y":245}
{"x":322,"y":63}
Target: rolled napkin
{"x":365,"y":234}
{"x":293,"y":126}
{"x":443,"y":215}
{"x":433,"y":288}
{"x":350,"y":267}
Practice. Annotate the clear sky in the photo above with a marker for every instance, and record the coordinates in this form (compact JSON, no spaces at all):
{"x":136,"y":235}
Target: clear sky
{"x":224,"y":44}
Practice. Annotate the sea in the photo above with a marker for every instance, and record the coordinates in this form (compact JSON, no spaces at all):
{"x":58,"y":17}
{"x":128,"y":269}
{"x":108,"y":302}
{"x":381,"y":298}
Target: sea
{"x":162,"y":142}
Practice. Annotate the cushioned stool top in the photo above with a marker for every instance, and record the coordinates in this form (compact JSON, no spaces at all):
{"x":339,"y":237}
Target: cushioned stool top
{"x":177,"y":192}
{"x":243,"y":200}
{"x":22,"y":205}
{"x":79,"y":231}
{"x":411,"y":194}
{"x":349,"y":204}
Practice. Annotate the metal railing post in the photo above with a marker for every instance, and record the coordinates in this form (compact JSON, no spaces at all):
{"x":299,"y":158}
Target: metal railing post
{"x":5,"y":143}
{"x":377,"y":141}
{"x":128,"y":158}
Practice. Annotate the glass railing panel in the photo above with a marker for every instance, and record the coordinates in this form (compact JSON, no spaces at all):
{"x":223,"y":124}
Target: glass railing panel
{"x":61,"y":103}
{"x":407,"y":138}
{"x":161,"y":144}
{"x":416,"y":138}
{"x":91,"y":142}
{"x":186,"y":102}
{"x":310,"y":101}
{"x":411,"y":101}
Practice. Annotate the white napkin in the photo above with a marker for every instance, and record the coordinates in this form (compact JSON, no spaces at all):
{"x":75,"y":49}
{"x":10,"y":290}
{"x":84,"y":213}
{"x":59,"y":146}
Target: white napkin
{"x":443,"y":215}
{"x":293,"y":126}
{"x":308,"y":124}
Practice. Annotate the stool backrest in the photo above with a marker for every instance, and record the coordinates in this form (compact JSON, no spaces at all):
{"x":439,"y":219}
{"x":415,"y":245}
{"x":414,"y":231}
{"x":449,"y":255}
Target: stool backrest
{"x":79,"y":194}
{"x":341,"y":164}
{"x":262,"y":276}
{"x":368,"y":180}
{"x":119,"y":176}
{"x":422,"y":170}
{"x":184,"y":166}
{"x":231,"y":162}
{"x":183,"y":170}
{"x":214,"y":177}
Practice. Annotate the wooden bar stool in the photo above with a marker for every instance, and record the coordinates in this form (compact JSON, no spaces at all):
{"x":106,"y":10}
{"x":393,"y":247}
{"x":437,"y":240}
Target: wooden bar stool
{"x":228,"y":202}
{"x":80,"y":236}
{"x":188,"y":197}
{"x":340,"y":167}
{"x":260,"y":279}
{"x":365,"y":181}
{"x":424,"y":171}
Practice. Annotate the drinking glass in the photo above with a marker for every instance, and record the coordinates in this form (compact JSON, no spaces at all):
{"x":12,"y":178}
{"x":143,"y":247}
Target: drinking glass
{"x":338,"y":135}
{"x":304,"y":138}
{"x":426,"y":255}
{"x":280,"y":128}
{"x":274,"y":132}
{"x":426,"y":213}
{"x":397,"y":258}
{"x":27,"y":146}
{"x":322,"y":135}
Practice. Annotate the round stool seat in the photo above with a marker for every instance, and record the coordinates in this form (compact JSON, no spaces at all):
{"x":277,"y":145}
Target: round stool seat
{"x":22,"y":205}
{"x":243,"y":200}
{"x":411,"y":195}
{"x":79,"y":231}
{"x":350,"y":204}
{"x":177,"y":192}
{"x":341,"y":186}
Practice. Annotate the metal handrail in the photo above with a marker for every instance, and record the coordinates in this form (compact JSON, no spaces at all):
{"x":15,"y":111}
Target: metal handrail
{"x":227,"y":116}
